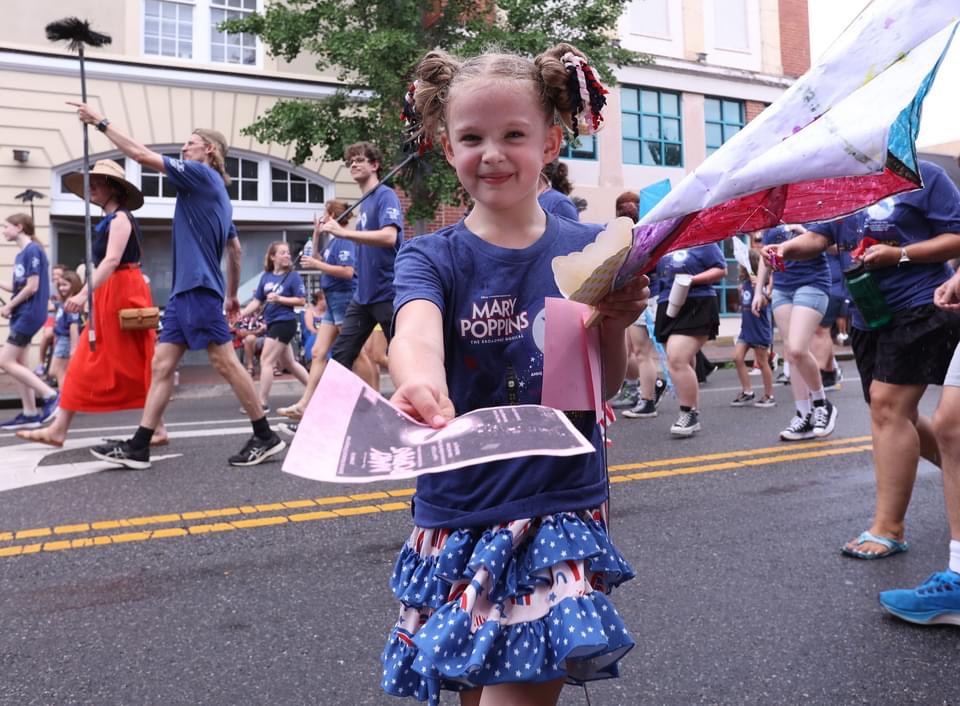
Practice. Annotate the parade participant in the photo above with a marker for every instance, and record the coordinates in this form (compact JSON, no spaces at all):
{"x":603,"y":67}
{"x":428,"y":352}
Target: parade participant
{"x":555,"y":191}
{"x":194,"y":316}
{"x":756,"y":335}
{"x":45,"y":345}
{"x":27,"y":311}
{"x":936,"y":601}
{"x":338,"y":283}
{"x":280,"y":290}
{"x":116,"y":375}
{"x":486,"y":602}
{"x":312,"y":318}
{"x":822,"y":344}
{"x":914,"y":235}
{"x":378,"y":236}
{"x":66,"y":326}
{"x":801,"y":293}
{"x":697,"y":322}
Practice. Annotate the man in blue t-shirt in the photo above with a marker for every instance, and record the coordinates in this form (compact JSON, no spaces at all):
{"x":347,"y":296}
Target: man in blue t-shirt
{"x":378,"y":236}
{"x":194,"y":316}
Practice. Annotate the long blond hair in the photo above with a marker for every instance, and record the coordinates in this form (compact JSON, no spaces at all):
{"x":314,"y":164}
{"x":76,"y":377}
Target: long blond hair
{"x":25,"y":223}
{"x":219,"y":155}
{"x":271,"y":252}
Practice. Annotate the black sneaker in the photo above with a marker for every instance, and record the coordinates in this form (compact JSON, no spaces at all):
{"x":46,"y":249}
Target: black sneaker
{"x":628,"y":397}
{"x":659,"y":387}
{"x":743,"y":399}
{"x":120,"y":453}
{"x":257,"y":450}
{"x":643,"y":408}
{"x":824,"y":419}
{"x":289,"y":428}
{"x":799,"y":428}
{"x":829,"y":379}
{"x":687,"y":424}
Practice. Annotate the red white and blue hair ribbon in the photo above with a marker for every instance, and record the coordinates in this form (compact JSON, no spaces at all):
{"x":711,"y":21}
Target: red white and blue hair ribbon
{"x":586,"y":93}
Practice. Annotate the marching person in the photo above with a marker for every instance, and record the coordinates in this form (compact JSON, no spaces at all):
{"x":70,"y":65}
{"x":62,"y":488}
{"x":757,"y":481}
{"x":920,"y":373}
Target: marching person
{"x":194,"y":316}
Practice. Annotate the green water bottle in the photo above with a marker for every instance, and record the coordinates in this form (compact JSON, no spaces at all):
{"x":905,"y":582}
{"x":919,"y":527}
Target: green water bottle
{"x":866,"y":294}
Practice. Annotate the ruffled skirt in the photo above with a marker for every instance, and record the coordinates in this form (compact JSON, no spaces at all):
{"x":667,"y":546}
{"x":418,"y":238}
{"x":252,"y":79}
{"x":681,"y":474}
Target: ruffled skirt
{"x":524,"y":601}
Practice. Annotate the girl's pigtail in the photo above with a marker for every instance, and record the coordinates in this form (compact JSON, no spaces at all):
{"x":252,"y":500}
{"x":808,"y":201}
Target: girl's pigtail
{"x":428,"y":95}
{"x":416,"y":140}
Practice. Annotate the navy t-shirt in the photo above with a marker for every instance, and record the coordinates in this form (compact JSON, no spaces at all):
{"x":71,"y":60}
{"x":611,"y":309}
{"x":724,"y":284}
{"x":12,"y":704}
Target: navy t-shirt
{"x":63,"y":320}
{"x":838,"y":287}
{"x":30,"y":315}
{"x":202,"y":223}
{"x":342,"y":253}
{"x":375,"y":264}
{"x":558,"y":204}
{"x":899,"y":221}
{"x":492,"y":302}
{"x":691,"y":261}
{"x":814,"y":272}
{"x":285,"y":284}
{"x":754,"y":330}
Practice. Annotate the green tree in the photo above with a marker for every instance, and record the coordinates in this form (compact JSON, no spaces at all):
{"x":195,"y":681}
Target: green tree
{"x":374,"y":46}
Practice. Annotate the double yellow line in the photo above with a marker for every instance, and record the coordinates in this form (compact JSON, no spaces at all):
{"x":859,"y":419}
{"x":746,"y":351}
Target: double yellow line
{"x":184,"y":524}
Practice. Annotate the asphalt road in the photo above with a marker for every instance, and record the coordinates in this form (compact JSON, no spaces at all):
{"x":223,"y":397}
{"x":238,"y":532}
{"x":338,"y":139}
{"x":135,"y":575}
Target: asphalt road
{"x":197,"y":583}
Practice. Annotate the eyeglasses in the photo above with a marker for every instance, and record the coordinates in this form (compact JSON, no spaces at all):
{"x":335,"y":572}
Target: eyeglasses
{"x":357,"y":160}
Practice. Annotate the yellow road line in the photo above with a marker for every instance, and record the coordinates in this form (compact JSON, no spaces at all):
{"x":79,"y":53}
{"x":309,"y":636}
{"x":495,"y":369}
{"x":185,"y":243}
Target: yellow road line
{"x":797,"y":453}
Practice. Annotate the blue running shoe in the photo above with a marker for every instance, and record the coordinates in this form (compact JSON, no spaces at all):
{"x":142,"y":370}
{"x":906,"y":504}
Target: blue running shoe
{"x":50,"y":408}
{"x":23,"y":421}
{"x":934,"y":602}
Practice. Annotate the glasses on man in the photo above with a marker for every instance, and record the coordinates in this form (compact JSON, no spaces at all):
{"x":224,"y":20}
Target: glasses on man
{"x":357,"y":160}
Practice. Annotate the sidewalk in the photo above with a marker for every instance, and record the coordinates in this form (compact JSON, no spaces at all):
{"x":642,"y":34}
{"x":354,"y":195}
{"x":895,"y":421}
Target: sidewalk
{"x":198,"y":381}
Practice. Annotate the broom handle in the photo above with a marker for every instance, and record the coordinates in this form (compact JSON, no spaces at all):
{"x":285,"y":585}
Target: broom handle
{"x":87,"y":226}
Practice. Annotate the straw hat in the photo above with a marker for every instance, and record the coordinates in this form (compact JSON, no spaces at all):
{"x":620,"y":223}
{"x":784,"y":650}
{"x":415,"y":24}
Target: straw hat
{"x":108,"y":168}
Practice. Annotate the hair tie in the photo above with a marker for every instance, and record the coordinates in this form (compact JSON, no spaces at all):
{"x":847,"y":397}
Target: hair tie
{"x":586,"y":94}
{"x":416,"y":137}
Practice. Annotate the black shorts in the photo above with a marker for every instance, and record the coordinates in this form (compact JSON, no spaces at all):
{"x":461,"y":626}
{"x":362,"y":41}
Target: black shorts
{"x":20,"y":340}
{"x":699,"y":316}
{"x":835,"y":309}
{"x":914,"y":349}
{"x":283,"y":331}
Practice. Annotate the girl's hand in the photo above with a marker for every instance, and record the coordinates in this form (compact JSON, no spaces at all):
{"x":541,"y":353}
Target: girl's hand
{"x":424,"y":403}
{"x":310,"y":262}
{"x":333,"y":227}
{"x":877,"y":256}
{"x":947,"y":295}
{"x":758,"y":304}
{"x":6,"y":311}
{"x":272,"y":297}
{"x":623,"y":306}
{"x":768,"y":251}
{"x":75,"y":303}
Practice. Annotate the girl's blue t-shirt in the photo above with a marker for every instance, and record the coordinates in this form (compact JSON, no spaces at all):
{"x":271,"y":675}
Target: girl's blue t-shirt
{"x":814,"y":272}
{"x":63,"y":320}
{"x":30,"y":315}
{"x":342,"y":253}
{"x":690,"y":261}
{"x":900,"y":221}
{"x":558,"y":204}
{"x":492,"y":303}
{"x":754,"y":330}
{"x":285,"y":284}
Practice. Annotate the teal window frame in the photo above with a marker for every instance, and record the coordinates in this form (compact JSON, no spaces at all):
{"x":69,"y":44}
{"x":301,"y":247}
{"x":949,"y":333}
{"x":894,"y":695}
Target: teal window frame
{"x":652,"y":126}
{"x":579,"y":147}
{"x":722,"y":122}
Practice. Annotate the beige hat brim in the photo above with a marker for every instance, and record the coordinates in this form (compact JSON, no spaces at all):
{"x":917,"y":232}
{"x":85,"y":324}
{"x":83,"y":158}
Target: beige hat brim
{"x":74,"y":183}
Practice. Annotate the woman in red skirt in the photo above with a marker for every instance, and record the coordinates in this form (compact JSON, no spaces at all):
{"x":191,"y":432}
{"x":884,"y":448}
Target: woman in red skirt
{"x":115,"y":376}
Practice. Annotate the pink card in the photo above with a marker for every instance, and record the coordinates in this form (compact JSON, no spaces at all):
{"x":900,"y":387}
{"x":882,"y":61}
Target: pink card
{"x":571,"y":358}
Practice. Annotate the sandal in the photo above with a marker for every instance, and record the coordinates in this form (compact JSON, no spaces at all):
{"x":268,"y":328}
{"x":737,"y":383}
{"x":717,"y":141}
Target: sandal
{"x":892,"y":547}
{"x":39,"y":436}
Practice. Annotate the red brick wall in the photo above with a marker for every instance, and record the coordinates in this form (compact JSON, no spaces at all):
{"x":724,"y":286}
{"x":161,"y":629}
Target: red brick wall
{"x":753,"y":109}
{"x":445,"y":216}
{"x":794,"y":37}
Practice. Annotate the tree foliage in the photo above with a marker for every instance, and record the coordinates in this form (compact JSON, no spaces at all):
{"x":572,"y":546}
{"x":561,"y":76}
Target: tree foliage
{"x":374,"y":45}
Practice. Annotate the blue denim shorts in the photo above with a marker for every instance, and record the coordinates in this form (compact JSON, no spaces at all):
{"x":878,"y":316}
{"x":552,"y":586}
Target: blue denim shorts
{"x":337,"y":303}
{"x":807,"y":296}
{"x":195,"y":319}
{"x":61,"y":347}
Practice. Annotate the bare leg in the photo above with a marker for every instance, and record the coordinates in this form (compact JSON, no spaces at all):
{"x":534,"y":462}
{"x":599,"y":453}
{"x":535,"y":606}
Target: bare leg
{"x":326,"y":335}
{"x":822,"y":348}
{"x":544,"y":694}
{"x":58,"y":370}
{"x":53,"y":435}
{"x":367,"y":370}
{"x":292,"y":364}
{"x":797,"y":324}
{"x":740,"y":363}
{"x":165,"y":360}
{"x":681,"y":353}
{"x":269,"y":357}
{"x":761,"y":358}
{"x":250,"y":352}
{"x":223,"y":359}
{"x":948,"y":437}
{"x":11,"y":362}
{"x":647,"y":361}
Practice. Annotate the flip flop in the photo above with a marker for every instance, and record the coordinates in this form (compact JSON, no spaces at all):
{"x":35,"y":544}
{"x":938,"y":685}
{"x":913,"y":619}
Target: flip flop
{"x":892,"y":547}
{"x":39,"y":436}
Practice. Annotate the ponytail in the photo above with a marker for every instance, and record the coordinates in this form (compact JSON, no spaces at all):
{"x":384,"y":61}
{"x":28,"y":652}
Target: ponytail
{"x":217,"y":158}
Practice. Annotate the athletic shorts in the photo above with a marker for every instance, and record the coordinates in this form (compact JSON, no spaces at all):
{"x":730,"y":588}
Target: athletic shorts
{"x":195,"y":319}
{"x":915,"y":349}
{"x":283,"y":330}
{"x":20,"y":340}
{"x":337,"y":303}
{"x":806,"y":296}
{"x":835,"y":309}
{"x":699,"y":316}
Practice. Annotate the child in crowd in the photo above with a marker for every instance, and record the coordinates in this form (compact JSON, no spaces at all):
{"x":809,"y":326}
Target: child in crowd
{"x":502,"y":583}
{"x":66,"y":326}
{"x":756,"y":334}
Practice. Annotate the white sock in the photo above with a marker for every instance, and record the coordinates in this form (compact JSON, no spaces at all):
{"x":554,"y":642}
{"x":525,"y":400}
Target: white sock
{"x":786,"y":368}
{"x":955,"y":555}
{"x":803,"y":407}
{"x":631,"y":382}
{"x":818,"y":395}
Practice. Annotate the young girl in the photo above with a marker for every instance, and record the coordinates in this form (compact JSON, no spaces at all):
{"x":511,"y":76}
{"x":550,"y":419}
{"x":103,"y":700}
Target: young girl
{"x":66,"y":326}
{"x":756,"y":333}
{"x":502,"y":583}
{"x":279,"y":291}
{"x":26,"y":310}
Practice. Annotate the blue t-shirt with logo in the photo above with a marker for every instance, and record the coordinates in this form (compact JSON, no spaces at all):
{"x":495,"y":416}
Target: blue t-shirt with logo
{"x":63,"y":320}
{"x":754,"y":330}
{"x":690,"y":261}
{"x":285,"y":284}
{"x":30,"y":315}
{"x":814,"y":272}
{"x":899,"y":221}
{"x":492,"y":303}
{"x":375,"y":264}
{"x":342,"y":253}
{"x":838,"y":287}
{"x":559,"y":204}
{"x":202,"y":224}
